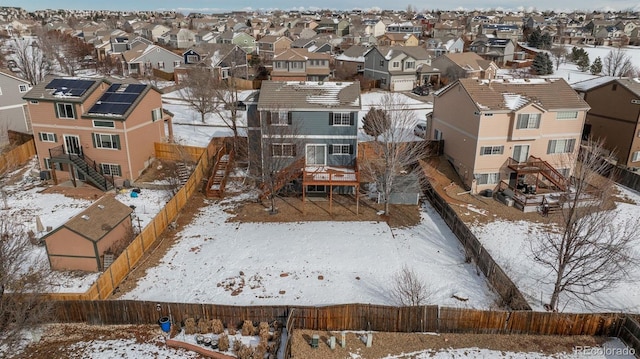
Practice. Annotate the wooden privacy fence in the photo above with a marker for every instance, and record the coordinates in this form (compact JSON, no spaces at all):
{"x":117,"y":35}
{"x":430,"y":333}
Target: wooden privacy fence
{"x":175,"y":152}
{"x":629,"y":333}
{"x":17,"y":156}
{"x":499,"y":280}
{"x":349,"y":317}
{"x":109,"y":280}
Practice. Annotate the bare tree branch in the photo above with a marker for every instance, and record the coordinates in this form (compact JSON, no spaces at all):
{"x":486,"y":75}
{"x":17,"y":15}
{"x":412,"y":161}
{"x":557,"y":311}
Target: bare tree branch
{"x":618,"y":63}
{"x":30,"y":60}
{"x":408,"y":289}
{"x":586,"y":250}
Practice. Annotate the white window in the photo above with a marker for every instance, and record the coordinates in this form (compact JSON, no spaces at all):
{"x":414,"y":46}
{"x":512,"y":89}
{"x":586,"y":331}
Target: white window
{"x":176,"y":63}
{"x":491,"y":150}
{"x":191,"y":59}
{"x":395,"y":64}
{"x":437,"y":134}
{"x":278,"y":64}
{"x":567,"y":115}
{"x":65,"y":110}
{"x":410,"y":65}
{"x":341,"y":119}
{"x":561,"y":146}
{"x":635,"y":157}
{"x":111,"y":169}
{"x":528,"y":120}
{"x":104,"y":124}
{"x":47,"y":137}
{"x":102,"y":140}
{"x":161,"y":64}
{"x":23,"y":88}
{"x":283,"y":150}
{"x":280,"y":118}
{"x":341,"y":149}
{"x":487,"y":178}
{"x":156,"y":114}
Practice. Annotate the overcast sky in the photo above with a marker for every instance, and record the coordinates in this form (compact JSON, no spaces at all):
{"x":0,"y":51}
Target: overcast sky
{"x":187,"y":6}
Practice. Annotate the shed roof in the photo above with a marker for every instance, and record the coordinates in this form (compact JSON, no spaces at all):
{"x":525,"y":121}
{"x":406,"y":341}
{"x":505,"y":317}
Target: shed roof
{"x":99,"y":219}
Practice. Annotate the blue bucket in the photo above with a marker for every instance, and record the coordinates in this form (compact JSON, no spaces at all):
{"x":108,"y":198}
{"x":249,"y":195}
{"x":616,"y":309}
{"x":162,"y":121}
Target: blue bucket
{"x":165,"y":324}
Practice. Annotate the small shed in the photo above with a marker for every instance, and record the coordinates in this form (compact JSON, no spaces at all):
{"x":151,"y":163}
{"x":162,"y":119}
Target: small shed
{"x":80,"y":243}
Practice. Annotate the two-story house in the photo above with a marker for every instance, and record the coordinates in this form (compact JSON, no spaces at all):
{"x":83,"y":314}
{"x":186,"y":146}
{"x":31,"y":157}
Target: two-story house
{"x":492,"y":128}
{"x":269,"y":46}
{"x":97,"y":130}
{"x":142,"y":59}
{"x":494,"y":49}
{"x":398,"y":39}
{"x":301,"y":65}
{"x":13,"y":109}
{"x":324,"y":119}
{"x":614,"y":116}
{"x":395,"y":68}
{"x":331,"y":25}
{"x":179,"y":38}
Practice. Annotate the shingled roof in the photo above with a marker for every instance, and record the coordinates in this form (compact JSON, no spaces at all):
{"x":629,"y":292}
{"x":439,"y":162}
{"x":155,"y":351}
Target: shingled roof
{"x":309,"y":95}
{"x":550,"y":94}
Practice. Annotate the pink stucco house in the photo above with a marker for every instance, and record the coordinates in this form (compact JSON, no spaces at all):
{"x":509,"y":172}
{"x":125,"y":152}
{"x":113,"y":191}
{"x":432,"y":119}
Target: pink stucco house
{"x":101,"y":131}
{"x":505,"y":130}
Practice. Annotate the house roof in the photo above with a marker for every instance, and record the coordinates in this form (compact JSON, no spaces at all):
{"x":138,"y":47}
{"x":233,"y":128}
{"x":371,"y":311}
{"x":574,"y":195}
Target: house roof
{"x":99,"y":219}
{"x":631,"y":84}
{"x":298,"y":54}
{"x":550,"y":94}
{"x":318,"y":96}
{"x":468,"y":60}
{"x":72,"y":89}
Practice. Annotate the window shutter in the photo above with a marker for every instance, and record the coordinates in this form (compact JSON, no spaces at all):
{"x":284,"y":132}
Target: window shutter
{"x":330,"y":149}
{"x":40,"y":136}
{"x":289,"y":118}
{"x":330,"y":118}
{"x":571,"y":145}
{"x":119,"y":170}
{"x":293,"y":150}
{"x":73,"y":108}
{"x":116,"y":140}
{"x":55,"y":108}
{"x":268,"y":118}
{"x":93,"y":139}
{"x":352,"y":120}
{"x":550,"y":146}
{"x":351,"y":149}
{"x":271,"y":149}
{"x":55,"y":138}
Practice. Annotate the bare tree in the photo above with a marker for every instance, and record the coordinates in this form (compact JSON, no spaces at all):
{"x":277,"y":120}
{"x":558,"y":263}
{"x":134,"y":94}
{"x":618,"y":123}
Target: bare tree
{"x":198,"y":91}
{"x":22,"y":278}
{"x":617,"y":63}
{"x":586,"y":250}
{"x":396,"y":150}
{"x":408,"y":289}
{"x":558,"y":54}
{"x":275,"y":153}
{"x":30,"y":60}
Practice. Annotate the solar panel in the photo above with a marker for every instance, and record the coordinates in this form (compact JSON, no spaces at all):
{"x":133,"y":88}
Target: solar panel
{"x":69,"y":87}
{"x":117,"y":99}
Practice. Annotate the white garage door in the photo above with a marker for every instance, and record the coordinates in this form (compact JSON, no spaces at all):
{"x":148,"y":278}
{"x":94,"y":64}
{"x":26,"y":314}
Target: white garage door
{"x":401,"y":85}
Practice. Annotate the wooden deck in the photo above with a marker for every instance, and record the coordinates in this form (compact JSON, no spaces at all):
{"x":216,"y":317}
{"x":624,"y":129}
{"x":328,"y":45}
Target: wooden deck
{"x":331,"y":177}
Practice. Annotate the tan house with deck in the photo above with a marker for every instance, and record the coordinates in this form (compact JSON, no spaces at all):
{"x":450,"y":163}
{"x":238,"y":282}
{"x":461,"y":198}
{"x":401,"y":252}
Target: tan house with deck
{"x":101,"y":131}
{"x":517,"y":131}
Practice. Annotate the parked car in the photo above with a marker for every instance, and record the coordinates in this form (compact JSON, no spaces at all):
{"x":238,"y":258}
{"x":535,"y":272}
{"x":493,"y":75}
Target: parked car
{"x":421,"y":90}
{"x":420,"y":130}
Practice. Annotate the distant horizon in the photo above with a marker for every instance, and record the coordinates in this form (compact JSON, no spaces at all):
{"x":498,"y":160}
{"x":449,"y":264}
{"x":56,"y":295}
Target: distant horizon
{"x":204,"y":6}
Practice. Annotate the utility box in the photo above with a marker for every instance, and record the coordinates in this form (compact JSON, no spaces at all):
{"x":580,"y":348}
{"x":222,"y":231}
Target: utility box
{"x":315,"y":339}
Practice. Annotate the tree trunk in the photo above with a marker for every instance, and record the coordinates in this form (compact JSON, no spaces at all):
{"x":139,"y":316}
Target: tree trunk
{"x":553,"y":303}
{"x":202,"y":116}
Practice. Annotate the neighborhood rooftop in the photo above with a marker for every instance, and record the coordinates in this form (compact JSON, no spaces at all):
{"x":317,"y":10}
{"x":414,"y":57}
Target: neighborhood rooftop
{"x":309,"y":95}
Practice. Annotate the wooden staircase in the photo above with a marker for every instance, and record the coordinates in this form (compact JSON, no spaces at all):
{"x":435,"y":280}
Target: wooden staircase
{"x":284,"y":176}
{"x":219,"y":174}
{"x":549,"y":172}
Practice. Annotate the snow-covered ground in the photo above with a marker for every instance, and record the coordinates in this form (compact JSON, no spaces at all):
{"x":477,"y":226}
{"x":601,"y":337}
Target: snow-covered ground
{"x":25,"y":202}
{"x":510,"y":245}
{"x":309,"y":263}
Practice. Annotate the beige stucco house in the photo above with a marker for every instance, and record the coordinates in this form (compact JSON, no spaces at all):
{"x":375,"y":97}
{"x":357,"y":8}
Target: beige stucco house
{"x":491,"y":126}
{"x":81,"y":243}
{"x":101,"y":131}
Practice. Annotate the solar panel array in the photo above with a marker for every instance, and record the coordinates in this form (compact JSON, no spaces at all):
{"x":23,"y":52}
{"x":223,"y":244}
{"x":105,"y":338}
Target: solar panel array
{"x":69,"y":87}
{"x":117,"y":99}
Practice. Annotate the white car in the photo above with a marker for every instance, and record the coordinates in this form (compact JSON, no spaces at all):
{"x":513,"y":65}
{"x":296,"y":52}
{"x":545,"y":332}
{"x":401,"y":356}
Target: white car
{"x":420,"y":130}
